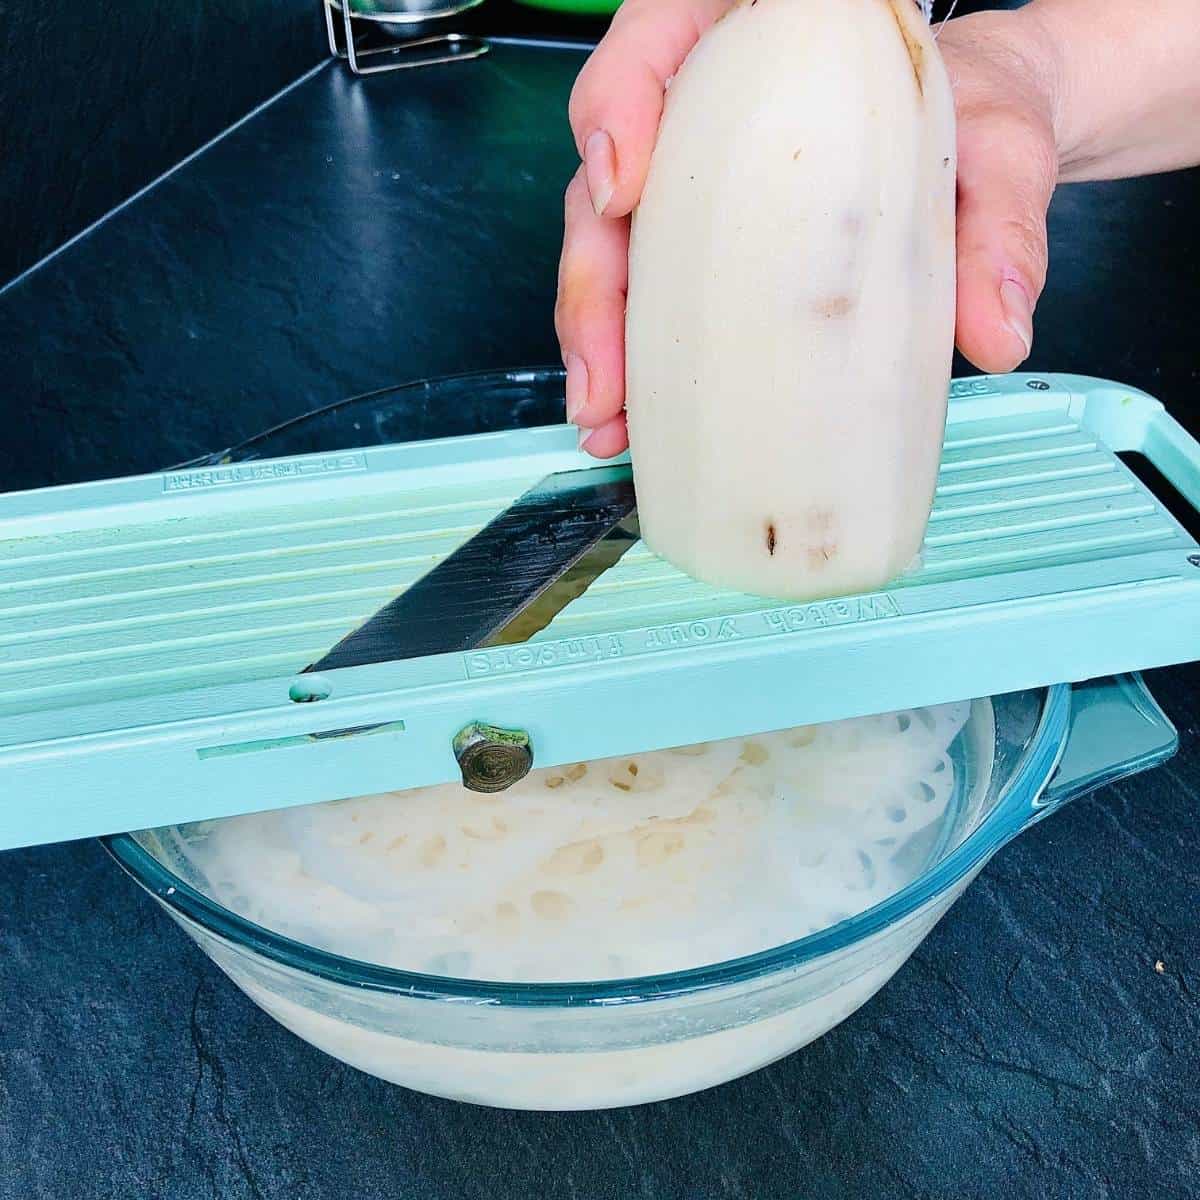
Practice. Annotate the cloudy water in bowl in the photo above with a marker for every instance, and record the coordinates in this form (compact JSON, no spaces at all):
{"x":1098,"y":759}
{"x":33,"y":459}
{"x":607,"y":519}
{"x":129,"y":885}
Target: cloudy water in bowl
{"x":629,"y":866}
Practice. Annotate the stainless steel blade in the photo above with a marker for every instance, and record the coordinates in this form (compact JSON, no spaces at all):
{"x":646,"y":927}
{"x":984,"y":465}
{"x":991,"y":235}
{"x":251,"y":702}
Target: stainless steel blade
{"x":509,"y":580}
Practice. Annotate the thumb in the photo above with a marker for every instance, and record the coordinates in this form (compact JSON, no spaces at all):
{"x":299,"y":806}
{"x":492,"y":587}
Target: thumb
{"x":618,"y":98}
{"x":1006,"y":175}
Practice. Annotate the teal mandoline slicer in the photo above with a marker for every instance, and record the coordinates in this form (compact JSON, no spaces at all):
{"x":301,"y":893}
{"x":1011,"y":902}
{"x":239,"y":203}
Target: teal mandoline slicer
{"x":155,"y":632}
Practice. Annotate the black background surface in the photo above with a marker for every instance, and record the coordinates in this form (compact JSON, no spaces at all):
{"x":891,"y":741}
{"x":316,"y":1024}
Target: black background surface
{"x":361,"y":233}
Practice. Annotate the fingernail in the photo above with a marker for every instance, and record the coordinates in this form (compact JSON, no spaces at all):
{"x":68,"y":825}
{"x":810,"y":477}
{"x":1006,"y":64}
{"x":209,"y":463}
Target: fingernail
{"x":576,"y":387}
{"x":1018,"y":312}
{"x":600,"y":168}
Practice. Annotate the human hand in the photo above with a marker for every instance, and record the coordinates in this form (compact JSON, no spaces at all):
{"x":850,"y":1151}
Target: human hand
{"x":1003,"y":71}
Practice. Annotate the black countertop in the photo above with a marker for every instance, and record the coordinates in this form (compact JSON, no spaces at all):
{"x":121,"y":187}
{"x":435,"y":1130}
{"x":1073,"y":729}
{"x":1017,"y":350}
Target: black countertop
{"x":357,"y":234}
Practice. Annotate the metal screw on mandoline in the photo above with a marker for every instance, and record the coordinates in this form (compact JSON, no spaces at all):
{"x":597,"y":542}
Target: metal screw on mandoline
{"x":492,"y":759}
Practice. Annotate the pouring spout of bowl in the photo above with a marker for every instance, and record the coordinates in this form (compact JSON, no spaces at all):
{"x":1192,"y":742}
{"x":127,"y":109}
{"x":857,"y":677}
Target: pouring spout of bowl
{"x":1117,"y":729}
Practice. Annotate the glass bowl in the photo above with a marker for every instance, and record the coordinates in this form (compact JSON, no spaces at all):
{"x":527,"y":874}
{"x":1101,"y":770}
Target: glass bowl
{"x":590,"y":1045}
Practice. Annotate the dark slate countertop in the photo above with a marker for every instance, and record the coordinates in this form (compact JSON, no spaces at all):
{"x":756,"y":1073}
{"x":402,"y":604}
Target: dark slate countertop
{"x":357,"y":234}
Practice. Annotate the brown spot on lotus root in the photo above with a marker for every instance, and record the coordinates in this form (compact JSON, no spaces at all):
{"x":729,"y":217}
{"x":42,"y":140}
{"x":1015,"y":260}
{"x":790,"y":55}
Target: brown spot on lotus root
{"x":912,"y":47}
{"x":834,"y":306}
{"x":771,"y":539}
{"x":818,"y":556}
{"x":795,"y":156}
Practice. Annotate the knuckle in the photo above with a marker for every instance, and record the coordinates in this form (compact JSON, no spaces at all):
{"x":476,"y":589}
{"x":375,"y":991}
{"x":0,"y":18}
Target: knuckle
{"x":1020,"y":137}
{"x":577,"y":103}
{"x":588,"y":89}
{"x":1025,"y":239}
{"x":570,"y":309}
{"x":575,"y":195}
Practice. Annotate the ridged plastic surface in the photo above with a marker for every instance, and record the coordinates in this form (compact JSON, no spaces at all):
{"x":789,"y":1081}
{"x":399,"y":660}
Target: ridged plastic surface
{"x":151,"y":629}
{"x":137,"y":609}
{"x":1034,"y":489}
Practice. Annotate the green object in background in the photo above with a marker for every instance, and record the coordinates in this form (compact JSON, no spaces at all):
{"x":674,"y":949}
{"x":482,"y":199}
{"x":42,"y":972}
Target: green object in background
{"x":590,"y":8}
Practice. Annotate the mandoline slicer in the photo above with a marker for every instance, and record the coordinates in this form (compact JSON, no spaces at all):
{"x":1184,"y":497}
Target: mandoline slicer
{"x":155,"y":632}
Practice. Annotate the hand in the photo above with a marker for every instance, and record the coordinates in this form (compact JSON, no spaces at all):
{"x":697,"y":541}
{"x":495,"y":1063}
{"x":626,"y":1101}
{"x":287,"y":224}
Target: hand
{"x":1003,"y":73}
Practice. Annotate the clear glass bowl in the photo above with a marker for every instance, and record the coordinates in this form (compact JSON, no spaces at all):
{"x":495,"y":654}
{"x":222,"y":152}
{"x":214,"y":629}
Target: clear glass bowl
{"x":595,"y":1045}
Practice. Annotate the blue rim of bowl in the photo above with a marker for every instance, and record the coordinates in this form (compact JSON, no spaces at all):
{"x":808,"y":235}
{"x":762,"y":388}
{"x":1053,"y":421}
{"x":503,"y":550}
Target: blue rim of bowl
{"x":488,"y":376}
{"x":1012,"y":811}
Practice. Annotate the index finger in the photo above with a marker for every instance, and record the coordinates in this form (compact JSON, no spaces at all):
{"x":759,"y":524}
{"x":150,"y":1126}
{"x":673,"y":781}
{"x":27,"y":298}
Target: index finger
{"x":617,"y":100}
